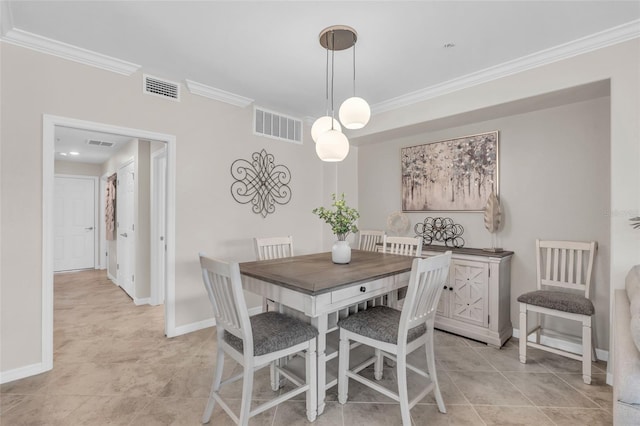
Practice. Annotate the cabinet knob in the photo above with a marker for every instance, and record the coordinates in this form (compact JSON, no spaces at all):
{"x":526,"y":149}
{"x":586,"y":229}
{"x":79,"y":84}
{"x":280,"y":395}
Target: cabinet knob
{"x":445,"y":287}
{"x":450,"y":288}
{"x":363,"y":289}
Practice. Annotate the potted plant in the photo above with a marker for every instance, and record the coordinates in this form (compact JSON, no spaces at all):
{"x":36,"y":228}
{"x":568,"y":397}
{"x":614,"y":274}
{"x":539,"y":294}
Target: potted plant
{"x":342,"y":220}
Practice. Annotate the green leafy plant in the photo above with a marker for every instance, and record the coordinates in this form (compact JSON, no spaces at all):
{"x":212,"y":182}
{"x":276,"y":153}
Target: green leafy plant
{"x":341,"y":219}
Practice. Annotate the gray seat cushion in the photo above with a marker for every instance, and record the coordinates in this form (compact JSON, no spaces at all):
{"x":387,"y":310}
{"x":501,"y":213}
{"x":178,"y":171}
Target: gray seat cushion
{"x":379,"y":323}
{"x":560,"y":301}
{"x":273,"y":331}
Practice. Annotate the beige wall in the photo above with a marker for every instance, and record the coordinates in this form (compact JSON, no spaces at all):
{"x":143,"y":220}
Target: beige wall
{"x":209,"y":137}
{"x":554,"y":184}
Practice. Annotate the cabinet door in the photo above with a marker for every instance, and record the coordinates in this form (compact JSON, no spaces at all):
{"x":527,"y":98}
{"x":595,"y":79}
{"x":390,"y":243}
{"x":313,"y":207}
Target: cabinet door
{"x":469,"y":298}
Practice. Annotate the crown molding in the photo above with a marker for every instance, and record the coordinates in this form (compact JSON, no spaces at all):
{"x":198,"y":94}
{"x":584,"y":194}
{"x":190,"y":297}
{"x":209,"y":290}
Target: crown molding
{"x":217,"y":94}
{"x":68,"y":51}
{"x":576,"y":47}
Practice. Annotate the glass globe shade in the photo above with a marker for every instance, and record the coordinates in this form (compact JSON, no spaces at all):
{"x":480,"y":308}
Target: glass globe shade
{"x":354,"y":113}
{"x":332,"y":145}
{"x":323,"y":124}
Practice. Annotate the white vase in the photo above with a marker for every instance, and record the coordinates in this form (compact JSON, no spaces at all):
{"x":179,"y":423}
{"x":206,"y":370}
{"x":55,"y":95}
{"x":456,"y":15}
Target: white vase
{"x":341,"y":252}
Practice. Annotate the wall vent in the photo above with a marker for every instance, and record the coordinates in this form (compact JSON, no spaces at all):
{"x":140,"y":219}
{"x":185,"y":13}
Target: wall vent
{"x":95,"y":142}
{"x":159,"y":87}
{"x":275,"y":125}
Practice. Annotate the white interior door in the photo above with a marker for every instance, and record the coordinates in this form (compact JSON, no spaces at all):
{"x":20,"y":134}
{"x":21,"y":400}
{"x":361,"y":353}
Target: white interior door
{"x":125,"y":193}
{"x":74,"y":223}
{"x":158,"y":225}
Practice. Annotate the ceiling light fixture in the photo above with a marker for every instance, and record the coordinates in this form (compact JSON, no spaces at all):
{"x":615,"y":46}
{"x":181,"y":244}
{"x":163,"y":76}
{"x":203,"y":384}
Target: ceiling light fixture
{"x":331,"y":143}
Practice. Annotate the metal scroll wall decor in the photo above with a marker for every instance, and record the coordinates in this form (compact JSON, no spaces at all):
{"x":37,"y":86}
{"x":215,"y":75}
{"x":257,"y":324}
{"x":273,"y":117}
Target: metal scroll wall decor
{"x":440,"y":229}
{"x":261,"y":182}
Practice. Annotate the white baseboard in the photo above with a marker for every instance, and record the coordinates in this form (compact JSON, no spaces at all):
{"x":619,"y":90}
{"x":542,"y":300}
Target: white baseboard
{"x":22,"y":372}
{"x":142,"y":301}
{"x":211,"y":322}
{"x":112,"y":278}
{"x":563,"y":344}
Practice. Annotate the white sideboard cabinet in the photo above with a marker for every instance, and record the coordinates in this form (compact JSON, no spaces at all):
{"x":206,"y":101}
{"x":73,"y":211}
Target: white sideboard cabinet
{"x":476,"y":301}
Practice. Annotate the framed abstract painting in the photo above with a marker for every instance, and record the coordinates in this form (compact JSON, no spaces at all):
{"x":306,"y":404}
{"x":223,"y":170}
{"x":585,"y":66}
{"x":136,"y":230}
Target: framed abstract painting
{"x":451,"y":175}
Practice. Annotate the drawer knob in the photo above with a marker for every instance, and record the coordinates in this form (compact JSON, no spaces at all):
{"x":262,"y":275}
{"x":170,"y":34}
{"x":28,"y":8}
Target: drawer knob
{"x":450,"y":288}
{"x":363,"y":289}
{"x":445,"y":287}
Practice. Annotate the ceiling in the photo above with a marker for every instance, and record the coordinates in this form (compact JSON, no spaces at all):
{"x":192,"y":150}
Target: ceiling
{"x":268,"y":51}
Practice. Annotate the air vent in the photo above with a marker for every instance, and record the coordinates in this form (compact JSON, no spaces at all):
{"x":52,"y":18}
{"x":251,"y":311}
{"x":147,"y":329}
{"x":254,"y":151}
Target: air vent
{"x":278,"y":126}
{"x":159,"y":87}
{"x":95,"y":142}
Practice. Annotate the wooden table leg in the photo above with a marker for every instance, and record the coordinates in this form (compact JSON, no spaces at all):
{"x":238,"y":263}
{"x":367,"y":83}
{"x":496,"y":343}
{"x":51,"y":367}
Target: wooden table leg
{"x":321,"y":324}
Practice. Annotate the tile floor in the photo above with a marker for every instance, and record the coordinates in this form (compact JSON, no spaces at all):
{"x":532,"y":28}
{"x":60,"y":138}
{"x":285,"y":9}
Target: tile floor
{"x":113,"y":366}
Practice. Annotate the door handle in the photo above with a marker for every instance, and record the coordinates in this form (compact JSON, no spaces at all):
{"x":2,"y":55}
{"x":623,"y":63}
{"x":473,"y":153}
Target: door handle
{"x":124,"y":235}
{"x":89,"y":228}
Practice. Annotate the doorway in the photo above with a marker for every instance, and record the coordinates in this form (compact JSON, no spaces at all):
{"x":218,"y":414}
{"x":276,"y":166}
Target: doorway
{"x":48,"y":141}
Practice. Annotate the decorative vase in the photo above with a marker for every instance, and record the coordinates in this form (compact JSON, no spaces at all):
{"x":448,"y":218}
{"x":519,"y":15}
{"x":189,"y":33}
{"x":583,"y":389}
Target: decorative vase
{"x":341,"y":252}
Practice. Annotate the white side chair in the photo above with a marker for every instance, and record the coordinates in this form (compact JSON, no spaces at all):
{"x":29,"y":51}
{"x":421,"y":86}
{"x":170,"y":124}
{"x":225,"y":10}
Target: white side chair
{"x":407,"y":246}
{"x":369,"y":239}
{"x":395,"y":334}
{"x":254,"y":343}
{"x":563,"y":281}
{"x":273,"y":248}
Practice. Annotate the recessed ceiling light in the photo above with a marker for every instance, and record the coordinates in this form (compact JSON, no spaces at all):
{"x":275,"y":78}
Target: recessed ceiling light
{"x":449,"y":45}
{"x":64,"y":154}
{"x":74,"y":153}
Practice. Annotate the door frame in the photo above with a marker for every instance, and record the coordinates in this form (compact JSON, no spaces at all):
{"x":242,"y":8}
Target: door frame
{"x":96,"y":203}
{"x":49,"y":123}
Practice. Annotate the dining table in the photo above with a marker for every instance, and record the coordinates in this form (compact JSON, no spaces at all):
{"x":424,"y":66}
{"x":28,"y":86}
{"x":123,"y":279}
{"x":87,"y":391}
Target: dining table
{"x":314,"y":288}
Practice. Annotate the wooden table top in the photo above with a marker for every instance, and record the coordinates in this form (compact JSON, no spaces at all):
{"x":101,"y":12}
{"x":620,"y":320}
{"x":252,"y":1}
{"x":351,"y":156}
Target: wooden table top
{"x":316,"y":274}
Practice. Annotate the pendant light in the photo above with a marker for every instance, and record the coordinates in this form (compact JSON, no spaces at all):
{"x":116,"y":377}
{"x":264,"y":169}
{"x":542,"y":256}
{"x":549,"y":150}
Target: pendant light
{"x":354,"y":112}
{"x":332,"y":145}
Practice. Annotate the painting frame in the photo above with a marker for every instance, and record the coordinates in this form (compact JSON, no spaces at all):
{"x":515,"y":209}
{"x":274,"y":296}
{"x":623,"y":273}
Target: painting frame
{"x":451,"y":175}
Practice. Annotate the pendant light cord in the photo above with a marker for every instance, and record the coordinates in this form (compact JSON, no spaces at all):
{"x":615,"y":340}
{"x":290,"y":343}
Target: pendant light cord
{"x":333,"y":52}
{"x":326,"y":82}
{"x":354,"y":65}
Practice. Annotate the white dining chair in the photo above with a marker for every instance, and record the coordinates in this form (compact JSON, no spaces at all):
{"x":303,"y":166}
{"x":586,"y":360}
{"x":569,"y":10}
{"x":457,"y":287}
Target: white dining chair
{"x":273,"y":247}
{"x":369,"y":239}
{"x":254,"y":343}
{"x":407,"y":246}
{"x":395,"y":334}
{"x":563,"y":282}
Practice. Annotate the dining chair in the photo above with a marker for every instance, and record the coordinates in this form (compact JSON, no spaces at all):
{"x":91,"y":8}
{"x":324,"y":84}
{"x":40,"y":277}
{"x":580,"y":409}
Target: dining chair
{"x":254,"y":343}
{"x":395,"y":334}
{"x":408,"y":246}
{"x":273,"y":247}
{"x":369,"y":239}
{"x":563,"y":282}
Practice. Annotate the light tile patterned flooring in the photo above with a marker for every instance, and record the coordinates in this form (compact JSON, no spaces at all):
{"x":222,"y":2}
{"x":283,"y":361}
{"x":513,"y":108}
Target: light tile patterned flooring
{"x":112,"y":365}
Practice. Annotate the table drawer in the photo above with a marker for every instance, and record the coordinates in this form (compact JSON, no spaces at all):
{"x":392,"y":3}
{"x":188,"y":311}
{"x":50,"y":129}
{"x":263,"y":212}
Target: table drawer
{"x":360,"y":291}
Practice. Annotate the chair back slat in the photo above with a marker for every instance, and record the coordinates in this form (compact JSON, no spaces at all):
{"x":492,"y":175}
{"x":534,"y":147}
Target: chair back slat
{"x":273,"y":248}
{"x":406,"y":246}
{"x":565,"y":264}
{"x":224,"y":286}
{"x":428,"y":277}
{"x":369,"y":239}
